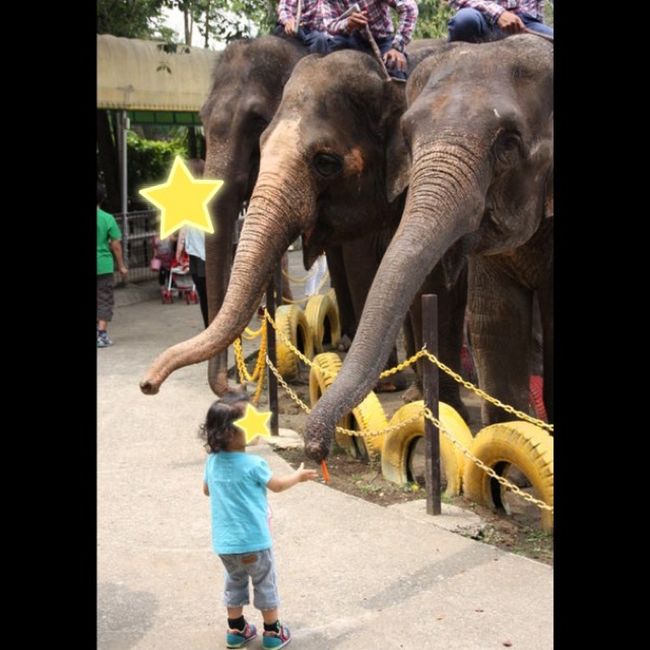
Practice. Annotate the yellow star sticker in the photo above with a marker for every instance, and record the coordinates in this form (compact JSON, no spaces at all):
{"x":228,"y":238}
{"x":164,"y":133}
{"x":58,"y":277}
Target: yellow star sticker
{"x":182,"y":200}
{"x":254,"y":423}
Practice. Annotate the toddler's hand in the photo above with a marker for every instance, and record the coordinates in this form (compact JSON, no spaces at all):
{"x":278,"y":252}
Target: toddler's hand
{"x":306,"y":474}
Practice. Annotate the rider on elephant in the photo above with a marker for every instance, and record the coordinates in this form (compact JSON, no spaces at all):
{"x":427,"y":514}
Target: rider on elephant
{"x":481,"y":20}
{"x":311,"y":30}
{"x":349,"y":31}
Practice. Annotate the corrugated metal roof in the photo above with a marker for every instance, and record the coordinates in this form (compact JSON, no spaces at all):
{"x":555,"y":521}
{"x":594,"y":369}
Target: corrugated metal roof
{"x":133,"y":74}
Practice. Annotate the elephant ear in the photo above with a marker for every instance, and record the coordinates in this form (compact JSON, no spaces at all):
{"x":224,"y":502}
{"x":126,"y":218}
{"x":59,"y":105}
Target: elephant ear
{"x":398,"y":165}
{"x":548,"y":195}
{"x":398,"y":156}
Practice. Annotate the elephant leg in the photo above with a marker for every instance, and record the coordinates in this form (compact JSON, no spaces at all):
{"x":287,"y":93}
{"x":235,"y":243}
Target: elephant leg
{"x":414,"y":391}
{"x":451,"y":315}
{"x":361,"y":258}
{"x":218,"y":262}
{"x":339,"y":281}
{"x":500,"y":322}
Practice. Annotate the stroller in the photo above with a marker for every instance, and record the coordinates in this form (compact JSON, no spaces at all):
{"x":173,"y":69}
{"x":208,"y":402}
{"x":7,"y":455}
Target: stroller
{"x":174,"y":276}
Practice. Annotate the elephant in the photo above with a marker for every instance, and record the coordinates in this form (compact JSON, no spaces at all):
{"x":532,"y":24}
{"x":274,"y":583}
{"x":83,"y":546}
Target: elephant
{"x":248,"y":81}
{"x":475,"y":149}
{"x":247,"y":85}
{"x":323,"y":173}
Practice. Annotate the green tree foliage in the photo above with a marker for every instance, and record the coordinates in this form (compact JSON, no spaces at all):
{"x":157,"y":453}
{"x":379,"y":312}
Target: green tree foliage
{"x":432,"y":19}
{"x":129,"y":18}
{"x":149,"y":162}
{"x":227,"y":20}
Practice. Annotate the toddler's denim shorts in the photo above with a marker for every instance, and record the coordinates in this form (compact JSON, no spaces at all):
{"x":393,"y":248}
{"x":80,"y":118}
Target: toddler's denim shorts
{"x":260,"y":568}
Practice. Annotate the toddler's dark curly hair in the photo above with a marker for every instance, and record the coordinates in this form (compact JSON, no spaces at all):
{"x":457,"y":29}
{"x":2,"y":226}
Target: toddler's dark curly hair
{"x":218,"y":429}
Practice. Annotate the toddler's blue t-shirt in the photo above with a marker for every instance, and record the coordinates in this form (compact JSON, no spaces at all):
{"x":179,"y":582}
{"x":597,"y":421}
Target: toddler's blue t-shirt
{"x":237,"y":483}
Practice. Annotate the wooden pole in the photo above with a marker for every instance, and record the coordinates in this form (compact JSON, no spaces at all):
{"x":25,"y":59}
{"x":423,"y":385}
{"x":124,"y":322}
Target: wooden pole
{"x":430,"y":390}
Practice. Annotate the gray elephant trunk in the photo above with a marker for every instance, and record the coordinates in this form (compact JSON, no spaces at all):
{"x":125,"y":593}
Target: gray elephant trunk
{"x":271,"y":225}
{"x":443,"y":201}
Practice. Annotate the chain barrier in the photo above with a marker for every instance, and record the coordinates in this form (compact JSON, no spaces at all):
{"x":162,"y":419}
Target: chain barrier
{"x":425,"y":353}
{"x":250,"y":334}
{"x":305,"y":298}
{"x":484,"y":395}
{"x":258,"y":371}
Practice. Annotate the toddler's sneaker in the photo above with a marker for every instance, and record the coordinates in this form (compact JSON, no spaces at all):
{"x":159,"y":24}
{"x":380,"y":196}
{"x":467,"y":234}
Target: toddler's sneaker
{"x":275,"y":640}
{"x":239,"y":638}
{"x":102,"y":339}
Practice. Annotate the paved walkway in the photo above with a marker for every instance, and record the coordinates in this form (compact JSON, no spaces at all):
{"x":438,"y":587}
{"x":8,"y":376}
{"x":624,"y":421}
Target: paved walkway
{"x":352,"y":574}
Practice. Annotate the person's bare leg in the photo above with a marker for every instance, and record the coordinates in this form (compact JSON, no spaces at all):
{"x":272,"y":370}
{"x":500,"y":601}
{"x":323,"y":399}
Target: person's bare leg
{"x":101,"y":325}
{"x":235,"y":612}
{"x":270,"y":615}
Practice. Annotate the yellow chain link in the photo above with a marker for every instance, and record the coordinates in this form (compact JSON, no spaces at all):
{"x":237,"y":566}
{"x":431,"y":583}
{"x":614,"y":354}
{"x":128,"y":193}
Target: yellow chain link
{"x":306,"y":298}
{"x":401,"y":366}
{"x":488,"y":470}
{"x":484,"y":395}
{"x":250,"y":334}
{"x":258,"y":372}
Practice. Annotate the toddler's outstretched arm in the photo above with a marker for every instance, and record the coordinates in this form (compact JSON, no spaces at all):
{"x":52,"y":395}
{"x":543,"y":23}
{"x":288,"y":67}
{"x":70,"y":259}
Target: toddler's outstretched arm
{"x":280,"y":483}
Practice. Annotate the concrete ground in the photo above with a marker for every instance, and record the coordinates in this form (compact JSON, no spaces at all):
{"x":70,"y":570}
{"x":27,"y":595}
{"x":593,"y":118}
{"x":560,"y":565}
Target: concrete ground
{"x":351,"y":574}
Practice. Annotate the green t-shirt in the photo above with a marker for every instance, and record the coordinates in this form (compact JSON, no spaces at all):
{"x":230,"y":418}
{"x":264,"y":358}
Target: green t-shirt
{"x":107,"y":230}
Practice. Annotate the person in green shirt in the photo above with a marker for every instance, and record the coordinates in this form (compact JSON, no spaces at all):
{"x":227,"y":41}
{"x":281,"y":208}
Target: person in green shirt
{"x":109,"y":244}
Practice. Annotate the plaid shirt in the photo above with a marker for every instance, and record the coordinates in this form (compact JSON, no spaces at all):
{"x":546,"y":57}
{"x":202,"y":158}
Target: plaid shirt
{"x":493,"y":10}
{"x":379,"y":20}
{"x":311,"y":17}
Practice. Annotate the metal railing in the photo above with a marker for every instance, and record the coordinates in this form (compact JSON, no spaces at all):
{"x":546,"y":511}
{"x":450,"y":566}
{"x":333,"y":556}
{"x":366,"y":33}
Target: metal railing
{"x":138,"y":230}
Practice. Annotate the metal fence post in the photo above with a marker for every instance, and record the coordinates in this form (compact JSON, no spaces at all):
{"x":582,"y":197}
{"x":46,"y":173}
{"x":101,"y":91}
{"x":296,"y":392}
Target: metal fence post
{"x":430,"y":390}
{"x":124,"y":126}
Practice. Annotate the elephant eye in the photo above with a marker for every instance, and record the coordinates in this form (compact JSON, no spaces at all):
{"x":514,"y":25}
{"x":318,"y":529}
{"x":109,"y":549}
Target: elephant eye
{"x":258,"y":122}
{"x":327,"y":164}
{"x":508,"y":144}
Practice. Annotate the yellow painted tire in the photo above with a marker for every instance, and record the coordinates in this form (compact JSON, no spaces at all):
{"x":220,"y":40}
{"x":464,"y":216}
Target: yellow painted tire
{"x":369,"y":415}
{"x":400,"y":443}
{"x":524,"y":445}
{"x":321,"y":377}
{"x":323,"y":319}
{"x":291,"y":321}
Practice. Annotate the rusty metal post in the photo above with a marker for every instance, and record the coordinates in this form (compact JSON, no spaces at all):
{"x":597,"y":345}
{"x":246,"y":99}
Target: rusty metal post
{"x":430,"y":389}
{"x":274,"y":289}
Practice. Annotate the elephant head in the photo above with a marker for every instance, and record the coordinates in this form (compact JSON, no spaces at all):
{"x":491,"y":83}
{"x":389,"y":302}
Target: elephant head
{"x":246,"y":90}
{"x":475,"y":147}
{"x":322,"y":174}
